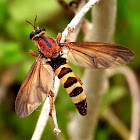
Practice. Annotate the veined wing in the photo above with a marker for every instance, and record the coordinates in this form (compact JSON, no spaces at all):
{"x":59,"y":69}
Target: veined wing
{"x":34,"y":88}
{"x":97,"y":55}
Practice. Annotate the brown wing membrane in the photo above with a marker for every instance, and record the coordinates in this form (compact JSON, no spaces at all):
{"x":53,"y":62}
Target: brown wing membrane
{"x":97,"y":55}
{"x":34,"y":88}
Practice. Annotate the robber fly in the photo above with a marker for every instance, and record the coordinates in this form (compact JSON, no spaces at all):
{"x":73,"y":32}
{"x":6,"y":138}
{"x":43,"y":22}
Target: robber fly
{"x":50,"y":62}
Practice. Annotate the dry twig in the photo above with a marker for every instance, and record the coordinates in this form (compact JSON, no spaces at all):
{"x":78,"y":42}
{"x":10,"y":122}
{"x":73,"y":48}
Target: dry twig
{"x":116,"y":123}
{"x":135,"y":94}
{"x":95,"y":81}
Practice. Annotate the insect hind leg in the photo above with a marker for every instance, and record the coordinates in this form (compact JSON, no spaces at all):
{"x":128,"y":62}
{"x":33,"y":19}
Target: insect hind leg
{"x":51,"y":97}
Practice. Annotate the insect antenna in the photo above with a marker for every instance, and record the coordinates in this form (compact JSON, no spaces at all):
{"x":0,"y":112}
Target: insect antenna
{"x":34,"y":23}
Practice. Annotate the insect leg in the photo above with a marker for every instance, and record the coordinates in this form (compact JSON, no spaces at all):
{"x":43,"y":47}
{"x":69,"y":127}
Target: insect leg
{"x":70,"y":31}
{"x":51,"y":96}
{"x":36,"y":54}
{"x":53,"y":112}
{"x":59,"y":36}
{"x":79,"y":80}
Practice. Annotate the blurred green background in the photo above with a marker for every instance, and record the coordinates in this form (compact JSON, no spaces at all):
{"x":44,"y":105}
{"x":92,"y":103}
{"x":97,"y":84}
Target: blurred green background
{"x":15,"y":62}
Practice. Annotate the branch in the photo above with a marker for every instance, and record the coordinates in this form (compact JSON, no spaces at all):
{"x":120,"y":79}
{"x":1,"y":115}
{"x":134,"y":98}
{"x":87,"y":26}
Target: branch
{"x":75,"y":21}
{"x":70,"y":10}
{"x":43,"y":118}
{"x":135,"y":94}
{"x":95,"y":81}
{"x":117,"y":124}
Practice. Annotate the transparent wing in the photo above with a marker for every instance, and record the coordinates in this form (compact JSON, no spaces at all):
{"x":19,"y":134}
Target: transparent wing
{"x":34,"y":88}
{"x":97,"y":55}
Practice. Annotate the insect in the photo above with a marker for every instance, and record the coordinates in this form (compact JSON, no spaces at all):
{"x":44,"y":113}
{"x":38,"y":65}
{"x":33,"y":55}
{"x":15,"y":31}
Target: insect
{"x":51,"y":62}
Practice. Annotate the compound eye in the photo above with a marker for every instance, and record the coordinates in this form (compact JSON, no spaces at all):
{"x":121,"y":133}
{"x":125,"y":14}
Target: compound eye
{"x":42,"y":29}
{"x":31,"y":35}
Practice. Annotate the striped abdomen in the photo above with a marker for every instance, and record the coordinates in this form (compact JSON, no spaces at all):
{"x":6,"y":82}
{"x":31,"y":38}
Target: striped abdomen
{"x":71,"y":84}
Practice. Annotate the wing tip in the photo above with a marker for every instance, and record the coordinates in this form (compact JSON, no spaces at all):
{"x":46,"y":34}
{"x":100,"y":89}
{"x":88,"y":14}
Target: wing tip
{"x":19,"y":112}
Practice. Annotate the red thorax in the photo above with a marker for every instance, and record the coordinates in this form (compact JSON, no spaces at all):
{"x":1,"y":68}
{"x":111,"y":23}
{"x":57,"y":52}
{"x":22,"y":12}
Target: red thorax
{"x":48,"y":46}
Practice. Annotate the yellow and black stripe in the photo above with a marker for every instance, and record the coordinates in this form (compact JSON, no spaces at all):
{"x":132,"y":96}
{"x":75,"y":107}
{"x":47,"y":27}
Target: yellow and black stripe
{"x":70,"y":83}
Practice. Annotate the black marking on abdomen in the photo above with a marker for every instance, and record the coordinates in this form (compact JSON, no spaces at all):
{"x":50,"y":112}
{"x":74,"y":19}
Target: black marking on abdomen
{"x":76,"y":91}
{"x":57,"y":62}
{"x":47,"y":42}
{"x":70,"y":81}
{"x":82,"y":107}
{"x":63,"y":72}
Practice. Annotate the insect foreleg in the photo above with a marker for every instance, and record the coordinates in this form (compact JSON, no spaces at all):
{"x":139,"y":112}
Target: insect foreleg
{"x":70,"y":31}
{"x":33,"y":53}
{"x":58,"y":39}
{"x":59,"y":36}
